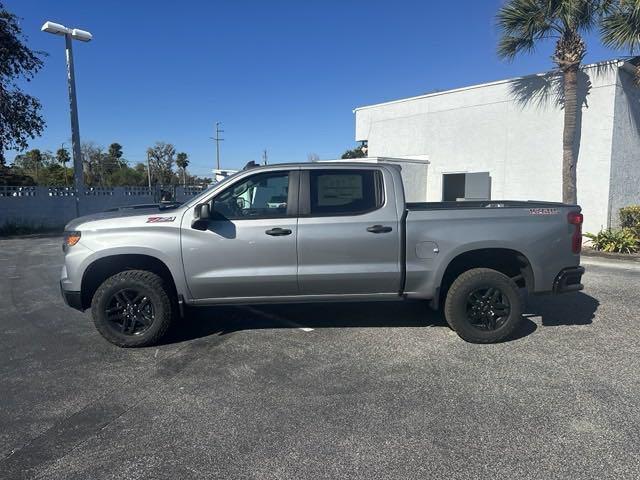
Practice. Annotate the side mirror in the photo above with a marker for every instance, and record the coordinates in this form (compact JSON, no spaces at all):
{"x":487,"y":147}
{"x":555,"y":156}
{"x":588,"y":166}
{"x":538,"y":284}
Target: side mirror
{"x":201,"y":216}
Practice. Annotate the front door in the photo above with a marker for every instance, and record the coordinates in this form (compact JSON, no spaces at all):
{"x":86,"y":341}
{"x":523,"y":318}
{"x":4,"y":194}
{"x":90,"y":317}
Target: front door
{"x":348,"y":235}
{"x":249,"y":248}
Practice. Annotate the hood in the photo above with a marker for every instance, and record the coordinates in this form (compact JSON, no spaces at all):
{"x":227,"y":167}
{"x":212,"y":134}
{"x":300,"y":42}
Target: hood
{"x":137,"y":212}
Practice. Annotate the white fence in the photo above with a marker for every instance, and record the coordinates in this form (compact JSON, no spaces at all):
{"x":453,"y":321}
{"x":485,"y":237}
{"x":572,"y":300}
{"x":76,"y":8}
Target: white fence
{"x":53,"y":207}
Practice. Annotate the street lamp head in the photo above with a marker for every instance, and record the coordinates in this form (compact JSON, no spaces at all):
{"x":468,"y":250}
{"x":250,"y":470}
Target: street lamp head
{"x":55,"y":28}
{"x":75,"y":33}
{"x":81,"y":35}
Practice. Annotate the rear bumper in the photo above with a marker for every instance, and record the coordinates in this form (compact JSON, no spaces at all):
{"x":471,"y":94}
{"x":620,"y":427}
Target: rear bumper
{"x":72,"y":299}
{"x":568,"y":280}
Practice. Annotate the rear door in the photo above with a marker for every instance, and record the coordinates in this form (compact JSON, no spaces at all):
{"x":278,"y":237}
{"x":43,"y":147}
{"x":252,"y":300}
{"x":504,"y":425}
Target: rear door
{"x":348,"y":232}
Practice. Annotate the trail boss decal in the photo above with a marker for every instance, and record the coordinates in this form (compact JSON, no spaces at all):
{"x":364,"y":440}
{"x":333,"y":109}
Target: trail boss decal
{"x":543,"y":211}
{"x":160,"y":219}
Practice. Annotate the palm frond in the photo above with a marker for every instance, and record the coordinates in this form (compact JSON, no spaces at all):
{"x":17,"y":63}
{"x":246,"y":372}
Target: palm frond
{"x":524,"y":18}
{"x":509,"y":46}
{"x":580,"y":15}
{"x":522,"y":22}
{"x":620,"y":28}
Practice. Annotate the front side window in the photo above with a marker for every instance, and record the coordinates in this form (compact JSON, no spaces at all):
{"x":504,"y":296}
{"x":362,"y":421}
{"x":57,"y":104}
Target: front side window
{"x":263,"y":195}
{"x":345,"y":192}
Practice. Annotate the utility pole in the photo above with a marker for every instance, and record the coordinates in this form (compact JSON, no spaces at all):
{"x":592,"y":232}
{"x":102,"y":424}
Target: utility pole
{"x":218,"y":140}
{"x":264,"y":157}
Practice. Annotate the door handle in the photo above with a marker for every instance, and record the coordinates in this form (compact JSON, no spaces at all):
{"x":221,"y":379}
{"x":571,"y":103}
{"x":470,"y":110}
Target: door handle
{"x":379,"y":229}
{"x":278,"y":232}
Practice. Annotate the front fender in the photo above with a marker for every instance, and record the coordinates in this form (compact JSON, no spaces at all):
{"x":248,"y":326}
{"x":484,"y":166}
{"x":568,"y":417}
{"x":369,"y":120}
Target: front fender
{"x":161,"y":243}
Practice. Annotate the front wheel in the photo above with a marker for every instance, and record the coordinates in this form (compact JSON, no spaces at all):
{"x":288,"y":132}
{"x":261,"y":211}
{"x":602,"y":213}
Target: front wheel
{"x":132,"y":309}
{"x":483,"y":306}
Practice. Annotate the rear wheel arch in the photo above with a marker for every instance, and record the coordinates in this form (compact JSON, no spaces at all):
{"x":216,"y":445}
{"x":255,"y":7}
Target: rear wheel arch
{"x":511,"y":263}
{"x":101,"y":269}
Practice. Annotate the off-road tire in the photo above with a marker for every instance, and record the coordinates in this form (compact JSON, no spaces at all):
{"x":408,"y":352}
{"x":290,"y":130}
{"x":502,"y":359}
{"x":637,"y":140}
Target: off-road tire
{"x":456,"y":305}
{"x":153,"y":287}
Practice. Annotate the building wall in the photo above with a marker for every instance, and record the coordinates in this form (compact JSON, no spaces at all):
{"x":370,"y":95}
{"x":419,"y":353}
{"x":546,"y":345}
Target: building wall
{"x":507,"y":129}
{"x":625,"y":149}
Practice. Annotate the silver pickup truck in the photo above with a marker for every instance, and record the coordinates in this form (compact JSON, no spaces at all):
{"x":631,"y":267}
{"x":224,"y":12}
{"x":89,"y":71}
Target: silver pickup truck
{"x":316,"y":232}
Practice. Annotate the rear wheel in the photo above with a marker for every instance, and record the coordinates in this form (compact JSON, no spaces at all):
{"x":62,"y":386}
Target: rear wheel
{"x":483,"y":306}
{"x":132,"y":309}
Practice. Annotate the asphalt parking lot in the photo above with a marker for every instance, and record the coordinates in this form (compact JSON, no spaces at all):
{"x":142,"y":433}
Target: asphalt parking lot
{"x":364,"y":391}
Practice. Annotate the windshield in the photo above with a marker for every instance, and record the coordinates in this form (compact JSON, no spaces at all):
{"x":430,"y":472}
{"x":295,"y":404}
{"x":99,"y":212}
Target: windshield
{"x":204,"y":193}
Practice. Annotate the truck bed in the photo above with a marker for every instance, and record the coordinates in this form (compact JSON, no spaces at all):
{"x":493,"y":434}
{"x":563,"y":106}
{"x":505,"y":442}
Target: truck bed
{"x":437,"y":232}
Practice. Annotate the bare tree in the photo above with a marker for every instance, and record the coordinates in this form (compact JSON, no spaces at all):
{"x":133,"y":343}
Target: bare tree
{"x":162,"y":158}
{"x":92,"y":160}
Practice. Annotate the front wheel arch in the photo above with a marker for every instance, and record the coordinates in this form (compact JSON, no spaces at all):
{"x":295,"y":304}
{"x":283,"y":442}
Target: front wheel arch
{"x":101,"y":269}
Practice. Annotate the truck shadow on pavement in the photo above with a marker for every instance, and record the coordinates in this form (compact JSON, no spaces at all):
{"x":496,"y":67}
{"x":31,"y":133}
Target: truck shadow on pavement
{"x":558,"y":310}
{"x":570,"y":309}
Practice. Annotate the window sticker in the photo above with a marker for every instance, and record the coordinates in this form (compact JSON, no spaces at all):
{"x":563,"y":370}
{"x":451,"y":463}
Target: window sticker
{"x":339,"y":189}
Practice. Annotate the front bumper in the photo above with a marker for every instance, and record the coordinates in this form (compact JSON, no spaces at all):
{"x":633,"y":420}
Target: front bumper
{"x":72,"y":299}
{"x":568,"y":280}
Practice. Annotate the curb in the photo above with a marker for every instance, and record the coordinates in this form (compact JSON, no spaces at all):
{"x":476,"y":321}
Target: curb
{"x":626,"y":257}
{"x":613,"y":264}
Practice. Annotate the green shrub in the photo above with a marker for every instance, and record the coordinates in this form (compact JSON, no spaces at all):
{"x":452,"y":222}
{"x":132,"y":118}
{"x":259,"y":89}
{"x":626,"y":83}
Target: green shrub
{"x":622,"y":241}
{"x":630,"y":218}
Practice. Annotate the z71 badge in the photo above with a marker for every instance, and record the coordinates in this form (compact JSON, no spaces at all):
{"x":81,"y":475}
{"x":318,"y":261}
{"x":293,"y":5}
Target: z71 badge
{"x":543,"y":211}
{"x":160,"y":219}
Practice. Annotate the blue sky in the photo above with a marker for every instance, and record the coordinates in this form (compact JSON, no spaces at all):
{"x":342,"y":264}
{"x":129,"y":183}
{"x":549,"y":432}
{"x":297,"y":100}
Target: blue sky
{"x":282,"y":75}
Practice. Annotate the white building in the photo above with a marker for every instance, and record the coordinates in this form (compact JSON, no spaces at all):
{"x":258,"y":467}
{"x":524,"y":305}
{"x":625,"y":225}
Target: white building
{"x":503,"y":140}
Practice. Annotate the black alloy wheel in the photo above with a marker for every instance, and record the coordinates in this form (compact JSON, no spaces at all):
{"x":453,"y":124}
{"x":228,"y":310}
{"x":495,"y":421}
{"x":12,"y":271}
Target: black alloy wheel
{"x":483,"y":306}
{"x":130,"y":312}
{"x":488,"y":308}
{"x":134,"y":308}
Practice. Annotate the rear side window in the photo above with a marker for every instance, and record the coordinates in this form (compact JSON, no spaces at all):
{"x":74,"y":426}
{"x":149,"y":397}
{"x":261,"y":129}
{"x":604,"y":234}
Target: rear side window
{"x":345,"y":192}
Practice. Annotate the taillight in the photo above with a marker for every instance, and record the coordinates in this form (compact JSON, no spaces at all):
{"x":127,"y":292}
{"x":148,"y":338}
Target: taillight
{"x":576,"y":218}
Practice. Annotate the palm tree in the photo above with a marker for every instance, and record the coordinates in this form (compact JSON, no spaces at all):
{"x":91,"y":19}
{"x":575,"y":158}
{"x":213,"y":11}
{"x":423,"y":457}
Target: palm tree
{"x":525,"y":23}
{"x":182,"y":162}
{"x":62,"y":157}
{"x":621,"y":27}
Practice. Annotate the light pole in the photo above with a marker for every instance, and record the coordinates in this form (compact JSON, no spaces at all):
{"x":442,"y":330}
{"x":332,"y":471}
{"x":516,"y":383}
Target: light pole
{"x":71,"y":34}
